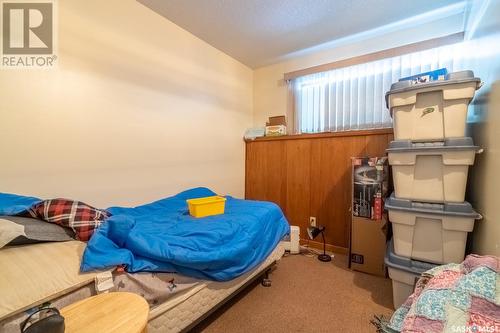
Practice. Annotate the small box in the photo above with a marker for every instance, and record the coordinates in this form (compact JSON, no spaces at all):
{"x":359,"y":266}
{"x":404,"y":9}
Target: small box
{"x":438,"y":74}
{"x":370,"y":186}
{"x":276,"y":130}
{"x":207,"y":206}
{"x":277,"y":120}
{"x":255,"y":132}
{"x":368,"y":243}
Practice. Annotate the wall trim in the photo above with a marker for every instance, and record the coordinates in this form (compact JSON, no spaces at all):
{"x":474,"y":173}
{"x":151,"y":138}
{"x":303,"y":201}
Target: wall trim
{"x":388,"y":53}
{"x":366,"y":132}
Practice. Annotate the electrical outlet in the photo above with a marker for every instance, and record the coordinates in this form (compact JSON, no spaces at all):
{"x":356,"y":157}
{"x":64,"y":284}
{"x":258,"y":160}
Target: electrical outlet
{"x":312,"y":221}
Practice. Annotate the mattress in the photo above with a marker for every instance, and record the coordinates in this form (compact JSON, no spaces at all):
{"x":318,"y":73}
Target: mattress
{"x":180,"y":312}
{"x":33,"y":274}
{"x":192,"y":301}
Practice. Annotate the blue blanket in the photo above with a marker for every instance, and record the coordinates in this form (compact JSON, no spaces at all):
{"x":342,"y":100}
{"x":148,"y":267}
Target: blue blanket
{"x":12,"y":204}
{"x":163,"y":237}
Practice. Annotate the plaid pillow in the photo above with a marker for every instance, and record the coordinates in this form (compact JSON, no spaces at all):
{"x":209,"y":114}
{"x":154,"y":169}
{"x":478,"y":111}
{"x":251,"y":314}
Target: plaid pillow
{"x":80,"y":217}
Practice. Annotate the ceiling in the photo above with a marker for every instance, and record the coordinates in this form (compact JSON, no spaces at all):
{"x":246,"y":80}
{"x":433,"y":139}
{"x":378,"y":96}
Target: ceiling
{"x":260,"y":32}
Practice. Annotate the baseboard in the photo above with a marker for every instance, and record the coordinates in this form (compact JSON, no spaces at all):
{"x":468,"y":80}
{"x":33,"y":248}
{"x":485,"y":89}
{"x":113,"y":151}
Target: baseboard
{"x":329,"y":247}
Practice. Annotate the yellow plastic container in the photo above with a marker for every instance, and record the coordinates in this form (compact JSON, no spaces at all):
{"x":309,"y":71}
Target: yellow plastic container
{"x":206,"y":206}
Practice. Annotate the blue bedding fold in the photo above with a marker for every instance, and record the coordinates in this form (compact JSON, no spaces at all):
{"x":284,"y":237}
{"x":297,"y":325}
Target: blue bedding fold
{"x":12,"y":204}
{"x":163,"y":237}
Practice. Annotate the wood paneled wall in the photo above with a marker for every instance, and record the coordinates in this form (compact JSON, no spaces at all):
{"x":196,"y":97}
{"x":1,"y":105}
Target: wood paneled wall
{"x":310,"y":175}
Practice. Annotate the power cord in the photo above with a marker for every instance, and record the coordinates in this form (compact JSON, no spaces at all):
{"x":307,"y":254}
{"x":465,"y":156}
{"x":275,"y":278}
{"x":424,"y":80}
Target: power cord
{"x":307,"y":251}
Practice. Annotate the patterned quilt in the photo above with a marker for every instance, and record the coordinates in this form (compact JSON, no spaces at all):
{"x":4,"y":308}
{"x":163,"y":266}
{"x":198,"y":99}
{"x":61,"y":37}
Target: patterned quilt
{"x":453,"y":298}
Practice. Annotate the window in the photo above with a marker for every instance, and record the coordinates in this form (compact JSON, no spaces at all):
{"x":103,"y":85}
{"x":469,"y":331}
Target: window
{"x":353,"y":98}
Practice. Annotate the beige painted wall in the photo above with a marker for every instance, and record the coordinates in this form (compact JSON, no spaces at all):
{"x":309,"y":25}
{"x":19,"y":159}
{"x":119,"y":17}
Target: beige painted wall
{"x":137,"y":109}
{"x":270,"y":92}
{"x":484,"y":179}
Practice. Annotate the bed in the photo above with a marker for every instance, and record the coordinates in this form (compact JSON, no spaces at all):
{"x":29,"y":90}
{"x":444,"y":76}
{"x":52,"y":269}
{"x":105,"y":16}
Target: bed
{"x":179,"y":313}
{"x":204,"y":263}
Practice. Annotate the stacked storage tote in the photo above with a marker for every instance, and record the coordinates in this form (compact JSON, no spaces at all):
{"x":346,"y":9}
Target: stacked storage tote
{"x":430,"y":158}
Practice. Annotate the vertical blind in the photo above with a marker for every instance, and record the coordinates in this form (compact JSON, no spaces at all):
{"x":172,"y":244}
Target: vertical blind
{"x":353,"y":98}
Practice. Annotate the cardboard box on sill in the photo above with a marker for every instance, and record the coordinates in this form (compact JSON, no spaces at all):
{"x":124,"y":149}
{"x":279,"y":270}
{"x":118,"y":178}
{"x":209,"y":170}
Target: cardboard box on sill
{"x":276,"y":121}
{"x":276,"y":130}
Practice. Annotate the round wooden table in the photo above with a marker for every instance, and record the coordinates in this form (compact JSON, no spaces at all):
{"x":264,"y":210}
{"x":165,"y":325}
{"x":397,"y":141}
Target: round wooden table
{"x":111,"y":312}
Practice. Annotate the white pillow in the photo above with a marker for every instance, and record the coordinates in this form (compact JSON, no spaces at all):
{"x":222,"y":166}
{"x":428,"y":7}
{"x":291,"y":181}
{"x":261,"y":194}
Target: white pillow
{"x":9,"y":231}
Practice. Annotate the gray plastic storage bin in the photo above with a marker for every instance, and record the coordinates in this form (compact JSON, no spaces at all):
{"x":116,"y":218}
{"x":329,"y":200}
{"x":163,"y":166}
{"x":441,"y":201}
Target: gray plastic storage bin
{"x":434,"y":233}
{"x":404,"y":273}
{"x":431,"y":172}
{"x":432,"y":111}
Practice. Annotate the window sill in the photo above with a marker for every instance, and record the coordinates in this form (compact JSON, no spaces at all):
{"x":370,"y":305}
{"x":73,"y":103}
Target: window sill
{"x":324,"y":135}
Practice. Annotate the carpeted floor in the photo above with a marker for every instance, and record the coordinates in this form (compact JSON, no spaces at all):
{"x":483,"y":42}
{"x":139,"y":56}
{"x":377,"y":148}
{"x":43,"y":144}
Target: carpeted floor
{"x":306,"y":296}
